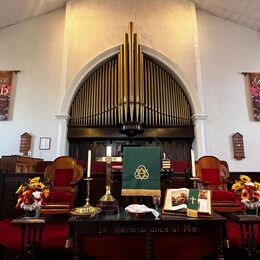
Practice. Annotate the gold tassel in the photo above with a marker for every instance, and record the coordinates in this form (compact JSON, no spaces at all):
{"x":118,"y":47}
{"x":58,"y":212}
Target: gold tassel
{"x":140,"y":192}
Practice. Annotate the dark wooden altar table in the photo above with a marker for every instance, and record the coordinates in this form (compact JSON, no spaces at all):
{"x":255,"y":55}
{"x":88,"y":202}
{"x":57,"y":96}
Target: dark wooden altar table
{"x":121,"y":236}
{"x":249,"y":230}
{"x":31,"y":237}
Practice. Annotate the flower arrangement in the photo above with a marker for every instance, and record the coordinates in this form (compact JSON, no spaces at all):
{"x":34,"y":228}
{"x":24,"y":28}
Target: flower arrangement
{"x":31,"y":194}
{"x":248,"y":191}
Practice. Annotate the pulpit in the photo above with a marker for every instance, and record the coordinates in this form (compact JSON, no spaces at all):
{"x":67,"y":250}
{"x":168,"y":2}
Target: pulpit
{"x":19,"y":164}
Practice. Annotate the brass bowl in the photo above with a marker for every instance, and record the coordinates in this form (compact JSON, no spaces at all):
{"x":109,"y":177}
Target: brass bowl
{"x":86,"y":211}
{"x":140,"y":215}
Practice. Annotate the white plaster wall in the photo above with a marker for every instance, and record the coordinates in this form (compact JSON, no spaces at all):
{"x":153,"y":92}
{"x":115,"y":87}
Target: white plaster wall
{"x":34,"y":47}
{"x":166,"y":26}
{"x":227,"y":50}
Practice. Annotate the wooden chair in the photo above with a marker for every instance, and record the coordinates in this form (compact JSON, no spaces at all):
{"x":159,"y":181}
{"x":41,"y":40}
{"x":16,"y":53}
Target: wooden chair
{"x":213,"y":175}
{"x":62,"y":177}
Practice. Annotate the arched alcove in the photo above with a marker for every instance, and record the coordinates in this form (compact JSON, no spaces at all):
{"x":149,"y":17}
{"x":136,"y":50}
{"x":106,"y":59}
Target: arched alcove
{"x":80,"y":139}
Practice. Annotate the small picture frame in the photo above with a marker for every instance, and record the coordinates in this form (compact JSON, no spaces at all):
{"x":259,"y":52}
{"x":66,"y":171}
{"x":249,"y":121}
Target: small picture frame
{"x":45,"y":143}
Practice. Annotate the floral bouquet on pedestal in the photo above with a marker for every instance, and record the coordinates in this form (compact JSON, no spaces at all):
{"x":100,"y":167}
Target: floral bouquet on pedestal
{"x":31,"y":195}
{"x":248,"y":192}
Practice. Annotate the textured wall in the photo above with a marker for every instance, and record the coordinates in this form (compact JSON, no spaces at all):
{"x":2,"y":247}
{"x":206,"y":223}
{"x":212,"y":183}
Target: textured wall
{"x":34,"y":48}
{"x":227,"y":49}
{"x":164,"y":25}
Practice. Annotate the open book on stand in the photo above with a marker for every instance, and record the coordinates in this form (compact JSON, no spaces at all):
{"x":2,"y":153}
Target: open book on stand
{"x":176,"y":201}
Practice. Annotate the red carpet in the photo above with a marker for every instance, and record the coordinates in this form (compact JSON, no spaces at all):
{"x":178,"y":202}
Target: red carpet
{"x":54,"y":234}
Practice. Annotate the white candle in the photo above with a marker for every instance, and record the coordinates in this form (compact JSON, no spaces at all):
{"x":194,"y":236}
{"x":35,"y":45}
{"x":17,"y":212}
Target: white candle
{"x":193,"y":168}
{"x":109,"y":150}
{"x":89,"y":163}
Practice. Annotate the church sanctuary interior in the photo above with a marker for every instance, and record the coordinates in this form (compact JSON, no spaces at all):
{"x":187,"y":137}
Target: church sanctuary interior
{"x":129,"y":129}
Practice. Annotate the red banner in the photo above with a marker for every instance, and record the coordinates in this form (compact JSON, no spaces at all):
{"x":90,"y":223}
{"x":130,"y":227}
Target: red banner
{"x":255,"y":93}
{"x":5,"y":93}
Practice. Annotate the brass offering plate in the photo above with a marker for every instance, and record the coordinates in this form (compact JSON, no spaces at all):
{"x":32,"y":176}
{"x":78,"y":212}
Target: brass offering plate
{"x":140,"y":215}
{"x":86,"y":211}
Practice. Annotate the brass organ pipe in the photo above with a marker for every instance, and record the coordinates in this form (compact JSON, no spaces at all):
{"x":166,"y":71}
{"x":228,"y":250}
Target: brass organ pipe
{"x":112,"y":85}
{"x":84,"y":105}
{"x":131,"y":71}
{"x":76,"y":110}
{"x":152,"y":93}
{"x":167,"y":98}
{"x":137,"y":78}
{"x":164,"y":98}
{"x":92,"y":102}
{"x":72,"y":113}
{"x":178,"y":106}
{"x":175,"y":103}
{"x":120,"y":84}
{"x":172,"y":102}
{"x":158,"y":96}
{"x":116,"y":91}
{"x":155,"y":94}
{"x":126,"y":75}
{"x":79,"y":106}
{"x":145,"y":93}
{"x":108,"y":93}
{"x":183,"y":108}
{"x":141,"y":85}
{"x":99,"y":96}
{"x":95,"y":99}
{"x":149,"y":96}
{"x":88,"y":99}
{"x":103,"y":95}
{"x":170,"y":99}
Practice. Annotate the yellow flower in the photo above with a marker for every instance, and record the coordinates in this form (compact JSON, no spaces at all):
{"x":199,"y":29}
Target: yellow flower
{"x":46,"y":193}
{"x":245,"y":178}
{"x":35,"y":179}
{"x":257,"y":185}
{"x":19,"y":190}
{"x":237,"y":186}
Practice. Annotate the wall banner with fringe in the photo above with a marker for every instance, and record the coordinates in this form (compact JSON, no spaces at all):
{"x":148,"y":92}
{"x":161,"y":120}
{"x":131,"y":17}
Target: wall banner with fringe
{"x":255,"y":93}
{"x":5,"y":93}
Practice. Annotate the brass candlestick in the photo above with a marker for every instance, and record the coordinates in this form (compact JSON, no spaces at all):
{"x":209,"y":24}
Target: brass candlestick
{"x":87,"y":209}
{"x":107,"y":202}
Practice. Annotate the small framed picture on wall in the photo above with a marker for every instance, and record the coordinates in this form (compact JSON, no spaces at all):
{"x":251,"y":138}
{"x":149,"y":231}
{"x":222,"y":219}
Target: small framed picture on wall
{"x":45,"y":143}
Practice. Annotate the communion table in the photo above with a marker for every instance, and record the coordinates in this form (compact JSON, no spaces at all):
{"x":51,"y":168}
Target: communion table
{"x":121,"y":236}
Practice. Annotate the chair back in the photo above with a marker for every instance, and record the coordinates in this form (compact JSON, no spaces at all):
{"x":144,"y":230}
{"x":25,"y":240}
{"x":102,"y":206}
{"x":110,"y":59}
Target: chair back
{"x":213,"y":172}
{"x":180,"y":166}
{"x":64,"y":171}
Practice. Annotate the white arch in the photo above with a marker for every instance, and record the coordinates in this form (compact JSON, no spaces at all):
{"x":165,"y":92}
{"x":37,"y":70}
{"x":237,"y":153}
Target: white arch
{"x":186,"y":83}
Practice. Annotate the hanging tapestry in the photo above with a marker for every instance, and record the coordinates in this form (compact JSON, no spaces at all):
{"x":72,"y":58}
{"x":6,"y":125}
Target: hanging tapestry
{"x":255,"y":93}
{"x":141,"y":171}
{"x":5,"y":93}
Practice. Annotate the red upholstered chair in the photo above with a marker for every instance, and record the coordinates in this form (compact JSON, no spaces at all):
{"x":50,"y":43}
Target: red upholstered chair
{"x":180,"y":166}
{"x":214,"y":174}
{"x":62,"y":176}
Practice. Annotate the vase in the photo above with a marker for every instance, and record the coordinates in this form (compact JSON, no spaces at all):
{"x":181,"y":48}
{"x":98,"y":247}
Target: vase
{"x":251,"y":208}
{"x":33,"y":213}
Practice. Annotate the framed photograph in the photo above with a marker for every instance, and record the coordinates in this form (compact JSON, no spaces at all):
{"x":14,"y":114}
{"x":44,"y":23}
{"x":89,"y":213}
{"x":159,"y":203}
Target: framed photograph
{"x":45,"y":143}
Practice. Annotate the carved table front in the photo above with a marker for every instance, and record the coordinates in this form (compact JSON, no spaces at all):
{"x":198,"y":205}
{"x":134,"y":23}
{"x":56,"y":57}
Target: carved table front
{"x":120,"y":236}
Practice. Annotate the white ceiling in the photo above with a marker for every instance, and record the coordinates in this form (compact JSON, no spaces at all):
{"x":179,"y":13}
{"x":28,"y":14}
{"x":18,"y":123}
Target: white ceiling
{"x":244,"y":12}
